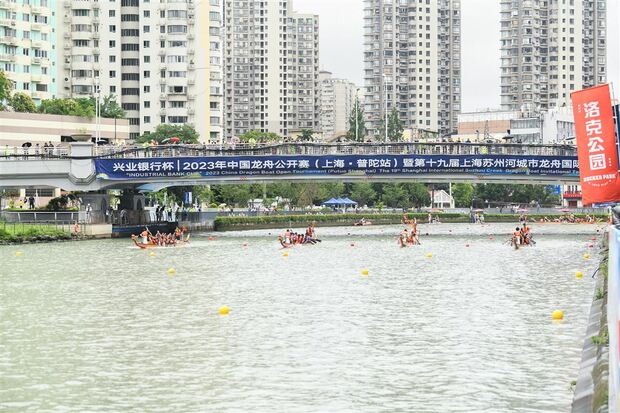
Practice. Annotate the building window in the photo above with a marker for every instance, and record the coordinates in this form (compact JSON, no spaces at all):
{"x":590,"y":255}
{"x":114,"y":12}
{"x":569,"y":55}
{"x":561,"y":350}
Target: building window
{"x":147,"y":104}
{"x":112,"y":59}
{"x":146,"y":44}
{"x":112,"y":28}
{"x":147,"y":74}
{"x":112,"y":89}
{"x":112,"y":43}
{"x":147,"y":119}
{"x":112,"y":13}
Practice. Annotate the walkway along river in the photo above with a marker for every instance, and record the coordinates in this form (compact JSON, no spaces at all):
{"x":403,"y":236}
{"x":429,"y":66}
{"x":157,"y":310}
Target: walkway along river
{"x":102,"y":326}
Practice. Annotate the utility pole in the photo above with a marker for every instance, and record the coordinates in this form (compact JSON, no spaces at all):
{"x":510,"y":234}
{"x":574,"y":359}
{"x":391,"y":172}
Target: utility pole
{"x":356,"y":114}
{"x":386,"y":106}
{"x":97,"y":111}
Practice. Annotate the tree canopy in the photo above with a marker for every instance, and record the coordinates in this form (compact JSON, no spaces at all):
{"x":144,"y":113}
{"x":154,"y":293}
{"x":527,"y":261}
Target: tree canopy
{"x":395,"y":127}
{"x":357,"y":129}
{"x":5,"y":89}
{"x":255,"y":136}
{"x":306,"y":135}
{"x":21,"y":102}
{"x":164,"y":132}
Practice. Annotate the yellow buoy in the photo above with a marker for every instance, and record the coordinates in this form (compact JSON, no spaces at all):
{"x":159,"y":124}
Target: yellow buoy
{"x":586,"y":256}
{"x":223,"y":310}
{"x":579,"y":275}
{"x":429,"y":255}
{"x":365,"y":272}
{"x":285,"y":254}
{"x":557,"y":315}
{"x":171,"y":271}
{"x":18,"y":254}
{"x":152,"y":254}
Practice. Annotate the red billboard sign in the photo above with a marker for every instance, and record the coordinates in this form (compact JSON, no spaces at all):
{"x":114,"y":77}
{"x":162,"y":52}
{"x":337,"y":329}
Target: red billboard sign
{"x":596,"y":145}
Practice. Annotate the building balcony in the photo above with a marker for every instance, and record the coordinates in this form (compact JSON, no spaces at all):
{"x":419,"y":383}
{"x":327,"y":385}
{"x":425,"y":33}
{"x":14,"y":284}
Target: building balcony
{"x":7,"y":57}
{"x":9,"y":40}
{"x":7,"y":22}
{"x":36,"y":78}
{"x":35,"y":61}
{"x":7,"y":5}
{"x":37,"y":44}
{"x":36,"y":26}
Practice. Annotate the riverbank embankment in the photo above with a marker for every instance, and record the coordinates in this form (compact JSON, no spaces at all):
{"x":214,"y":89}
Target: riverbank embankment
{"x":236,"y":223}
{"x":592,"y":384}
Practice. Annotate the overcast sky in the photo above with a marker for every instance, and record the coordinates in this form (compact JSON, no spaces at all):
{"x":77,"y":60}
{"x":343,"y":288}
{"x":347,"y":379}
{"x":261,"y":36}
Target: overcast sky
{"x":342,"y":48}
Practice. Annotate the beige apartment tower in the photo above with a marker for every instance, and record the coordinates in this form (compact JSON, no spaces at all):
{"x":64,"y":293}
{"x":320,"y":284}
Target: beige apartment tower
{"x":550,"y":48}
{"x":337,"y":103}
{"x":412,"y":62}
{"x":271,"y":68}
{"x":162,"y":60}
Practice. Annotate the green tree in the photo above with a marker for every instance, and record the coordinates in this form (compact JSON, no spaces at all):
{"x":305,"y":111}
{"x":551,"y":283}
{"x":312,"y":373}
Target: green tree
{"x":395,"y":127}
{"x":395,"y":196}
{"x":306,"y":135}
{"x":463,"y":195}
{"x":255,"y":136}
{"x":418,"y":194}
{"x":363,"y":193}
{"x":307,"y":194}
{"x":110,"y":108}
{"x":283,"y":190}
{"x":70,"y":107}
{"x":5,"y":89}
{"x":333,"y":189}
{"x":237,"y":195}
{"x":21,"y":102}
{"x":357,"y":129}
{"x":163,"y":132}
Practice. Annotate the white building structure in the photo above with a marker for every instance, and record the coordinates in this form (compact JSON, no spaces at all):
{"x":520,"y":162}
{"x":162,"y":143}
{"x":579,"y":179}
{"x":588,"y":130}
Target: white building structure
{"x":271,"y":68}
{"x":550,"y":49}
{"x":28,"y":46}
{"x":412,"y":62}
{"x":163,"y":60}
{"x":337,"y":104}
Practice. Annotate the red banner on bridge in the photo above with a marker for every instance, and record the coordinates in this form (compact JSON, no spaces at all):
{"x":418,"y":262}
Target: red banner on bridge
{"x":596,"y":145}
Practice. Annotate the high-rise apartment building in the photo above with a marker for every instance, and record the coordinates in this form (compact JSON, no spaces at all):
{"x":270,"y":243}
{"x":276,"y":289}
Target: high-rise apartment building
{"x":28,"y":46}
{"x":271,"y":68}
{"x":302,"y":72}
{"x":163,"y":60}
{"x":549,"y":49}
{"x":412,"y":63}
{"x":337,"y":102}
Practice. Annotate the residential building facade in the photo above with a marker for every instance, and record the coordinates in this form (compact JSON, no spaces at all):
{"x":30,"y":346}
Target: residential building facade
{"x":550,"y":48}
{"x":412,"y":63}
{"x":271,"y":68}
{"x":162,"y":60}
{"x":28,"y":46}
{"x":337,"y":102}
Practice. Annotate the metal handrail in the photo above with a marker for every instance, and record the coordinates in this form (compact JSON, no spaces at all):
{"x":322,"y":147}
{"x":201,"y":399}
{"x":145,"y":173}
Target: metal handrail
{"x":316,"y":149}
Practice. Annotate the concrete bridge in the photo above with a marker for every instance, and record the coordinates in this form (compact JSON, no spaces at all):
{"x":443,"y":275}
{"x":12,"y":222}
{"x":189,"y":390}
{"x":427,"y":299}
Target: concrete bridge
{"x":85,"y":167}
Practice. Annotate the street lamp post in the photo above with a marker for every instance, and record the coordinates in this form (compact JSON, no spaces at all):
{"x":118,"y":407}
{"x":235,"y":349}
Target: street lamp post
{"x":386,"y":107}
{"x":356,"y":114}
{"x":97,"y":111}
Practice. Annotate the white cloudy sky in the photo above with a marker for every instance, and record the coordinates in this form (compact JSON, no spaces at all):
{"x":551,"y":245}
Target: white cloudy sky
{"x":342,"y":45}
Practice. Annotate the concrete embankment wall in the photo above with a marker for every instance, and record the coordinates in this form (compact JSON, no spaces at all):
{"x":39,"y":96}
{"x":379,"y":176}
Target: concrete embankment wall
{"x":591,"y":388}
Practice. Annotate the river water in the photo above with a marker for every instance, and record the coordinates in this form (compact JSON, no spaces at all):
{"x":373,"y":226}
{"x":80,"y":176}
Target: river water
{"x":100,"y":326}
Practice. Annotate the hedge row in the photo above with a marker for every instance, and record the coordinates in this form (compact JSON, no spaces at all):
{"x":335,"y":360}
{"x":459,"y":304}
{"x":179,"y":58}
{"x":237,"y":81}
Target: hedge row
{"x":230,"y":221}
{"x":33,"y":234}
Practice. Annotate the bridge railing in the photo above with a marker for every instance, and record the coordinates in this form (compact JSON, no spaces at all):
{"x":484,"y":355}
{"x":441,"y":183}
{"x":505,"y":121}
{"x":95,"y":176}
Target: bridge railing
{"x":167,"y":151}
{"x":34,"y":153}
{"x":171,"y":151}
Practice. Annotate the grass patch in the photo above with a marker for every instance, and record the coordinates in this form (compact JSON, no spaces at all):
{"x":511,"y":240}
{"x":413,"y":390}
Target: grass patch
{"x":15,"y":233}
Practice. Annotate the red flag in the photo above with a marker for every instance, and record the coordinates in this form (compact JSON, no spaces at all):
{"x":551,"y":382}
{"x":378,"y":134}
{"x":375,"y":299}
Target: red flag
{"x":596,"y":145}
